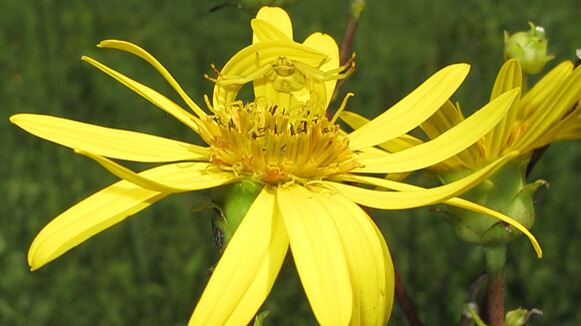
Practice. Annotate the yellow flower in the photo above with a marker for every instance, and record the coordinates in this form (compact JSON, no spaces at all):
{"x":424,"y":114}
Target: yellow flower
{"x":547,"y":113}
{"x":305,"y":165}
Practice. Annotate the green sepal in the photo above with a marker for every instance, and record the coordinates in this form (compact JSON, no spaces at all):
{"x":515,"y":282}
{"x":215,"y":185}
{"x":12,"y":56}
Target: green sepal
{"x":505,"y":192}
{"x":232,"y":202}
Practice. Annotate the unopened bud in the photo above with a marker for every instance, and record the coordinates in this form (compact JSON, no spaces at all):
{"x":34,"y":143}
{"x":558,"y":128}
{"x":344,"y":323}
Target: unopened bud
{"x":530,"y":48}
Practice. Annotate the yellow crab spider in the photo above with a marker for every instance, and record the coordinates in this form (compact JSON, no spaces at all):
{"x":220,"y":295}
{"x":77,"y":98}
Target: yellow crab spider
{"x":285,"y":75}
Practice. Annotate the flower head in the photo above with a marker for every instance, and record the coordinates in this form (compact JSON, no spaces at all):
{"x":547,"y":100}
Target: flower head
{"x":547,"y":113}
{"x":303,"y":164}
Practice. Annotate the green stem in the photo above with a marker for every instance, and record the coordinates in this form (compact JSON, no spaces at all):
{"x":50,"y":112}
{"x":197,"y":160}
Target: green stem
{"x":493,"y":305}
{"x":355,"y":11}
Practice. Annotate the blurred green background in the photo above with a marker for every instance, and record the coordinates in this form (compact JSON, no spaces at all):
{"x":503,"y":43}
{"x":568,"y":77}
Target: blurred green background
{"x":151,"y":269}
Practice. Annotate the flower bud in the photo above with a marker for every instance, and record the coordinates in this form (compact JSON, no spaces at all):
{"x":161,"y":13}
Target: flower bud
{"x":530,"y":48}
{"x":519,"y":317}
{"x":232,"y":202}
{"x":505,"y":192}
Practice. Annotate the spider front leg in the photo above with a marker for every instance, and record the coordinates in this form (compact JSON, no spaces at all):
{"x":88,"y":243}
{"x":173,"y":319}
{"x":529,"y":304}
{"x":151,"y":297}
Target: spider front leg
{"x":333,"y":74}
{"x":227,"y":80}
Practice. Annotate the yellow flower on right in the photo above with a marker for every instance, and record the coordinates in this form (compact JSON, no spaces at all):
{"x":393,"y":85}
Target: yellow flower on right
{"x":548,"y":112}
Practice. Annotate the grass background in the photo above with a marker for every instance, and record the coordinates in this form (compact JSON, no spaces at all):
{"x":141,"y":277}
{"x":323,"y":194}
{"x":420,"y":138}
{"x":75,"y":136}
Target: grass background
{"x":151,"y":269}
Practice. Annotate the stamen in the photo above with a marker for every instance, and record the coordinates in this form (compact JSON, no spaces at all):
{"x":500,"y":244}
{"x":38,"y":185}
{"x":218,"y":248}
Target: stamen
{"x":341,"y":108}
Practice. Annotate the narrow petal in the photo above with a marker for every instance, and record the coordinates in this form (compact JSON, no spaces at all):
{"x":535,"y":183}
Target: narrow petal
{"x":271,"y":24}
{"x":543,"y":88}
{"x":87,"y":218}
{"x":138,"y":51}
{"x":509,"y":77}
{"x":462,"y":203}
{"x":265,"y":31}
{"x":248,"y":268}
{"x":412,"y":110}
{"x":370,"y":264}
{"x":115,"y":203}
{"x":109,"y":142}
{"x":326,"y":44}
{"x":171,"y":178}
{"x":551,"y":110}
{"x":447,"y":144}
{"x":400,"y":143}
{"x":190,"y":176}
{"x":448,"y":116}
{"x":318,"y":253}
{"x":458,"y":202}
{"x":393,"y":200}
{"x":255,"y":61}
{"x":149,"y":94}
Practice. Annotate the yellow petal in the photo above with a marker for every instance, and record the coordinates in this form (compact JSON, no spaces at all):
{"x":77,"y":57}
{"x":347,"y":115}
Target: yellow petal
{"x":326,"y":44}
{"x":462,"y":203}
{"x":509,"y":77}
{"x":134,"y":49}
{"x":109,"y":142}
{"x":543,"y":88}
{"x":369,"y":261}
{"x":265,"y":31}
{"x":412,"y":110}
{"x":411,"y":199}
{"x":115,"y":203}
{"x":87,"y":218}
{"x":444,"y":119}
{"x":447,"y":144}
{"x":270,"y":24}
{"x":248,"y":268}
{"x":551,"y":111}
{"x":318,"y":254}
{"x":149,"y":94}
{"x":255,"y":61}
{"x":178,"y":177}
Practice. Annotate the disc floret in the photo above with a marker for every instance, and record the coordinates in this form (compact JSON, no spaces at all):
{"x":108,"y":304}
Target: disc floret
{"x":275,"y":145}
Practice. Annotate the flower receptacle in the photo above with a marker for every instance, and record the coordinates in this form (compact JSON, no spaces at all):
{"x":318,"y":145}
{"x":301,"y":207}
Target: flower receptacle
{"x":505,"y":192}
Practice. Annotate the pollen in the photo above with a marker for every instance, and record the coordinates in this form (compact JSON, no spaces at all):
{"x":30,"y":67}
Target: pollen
{"x":274,"y":145}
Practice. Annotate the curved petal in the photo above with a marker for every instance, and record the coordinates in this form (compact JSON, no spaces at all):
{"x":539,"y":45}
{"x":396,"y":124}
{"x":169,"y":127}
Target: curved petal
{"x":138,"y":51}
{"x":178,"y":177}
{"x":369,"y":260}
{"x":551,"y":110}
{"x":109,"y":142}
{"x":462,"y":203}
{"x":550,"y":82}
{"x":397,"y":144}
{"x":458,"y":202}
{"x":447,"y":144}
{"x":87,"y":218}
{"x":248,"y":268}
{"x":270,"y":24}
{"x":410,"y":199}
{"x":253,"y":62}
{"x":326,"y":44}
{"x":115,"y":203}
{"x":318,"y":253}
{"x":149,"y":94}
{"x":412,"y":110}
{"x":509,"y":77}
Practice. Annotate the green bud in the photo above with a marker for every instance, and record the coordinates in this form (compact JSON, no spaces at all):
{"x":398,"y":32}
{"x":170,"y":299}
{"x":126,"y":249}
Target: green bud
{"x":516,"y":317}
{"x":232,"y":202}
{"x":505,"y":192}
{"x":259,"y":319}
{"x":519,"y":317}
{"x":529,"y":48}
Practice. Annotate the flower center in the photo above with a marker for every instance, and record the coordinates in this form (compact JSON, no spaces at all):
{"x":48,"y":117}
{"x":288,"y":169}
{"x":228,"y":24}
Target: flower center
{"x":275,"y":146}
